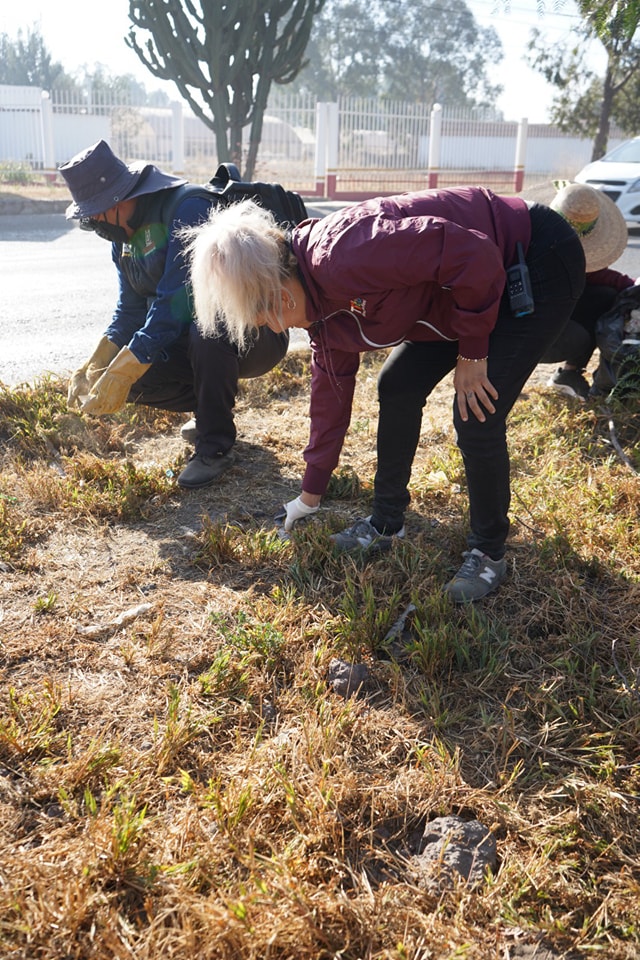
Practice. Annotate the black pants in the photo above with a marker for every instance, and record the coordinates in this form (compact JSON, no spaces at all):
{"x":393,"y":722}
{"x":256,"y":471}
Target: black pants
{"x":200,"y":375}
{"x":576,"y":343}
{"x":556,"y":264}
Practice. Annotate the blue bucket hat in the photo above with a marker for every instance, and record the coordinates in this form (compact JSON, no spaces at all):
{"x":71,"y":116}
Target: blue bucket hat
{"x":97,"y":180}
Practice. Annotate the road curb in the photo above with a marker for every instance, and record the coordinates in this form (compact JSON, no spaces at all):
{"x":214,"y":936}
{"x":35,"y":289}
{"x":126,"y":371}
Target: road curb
{"x":13,"y":204}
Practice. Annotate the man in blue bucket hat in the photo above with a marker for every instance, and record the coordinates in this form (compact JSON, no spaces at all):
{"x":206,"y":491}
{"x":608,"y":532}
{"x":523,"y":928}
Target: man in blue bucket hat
{"x":152,"y":352}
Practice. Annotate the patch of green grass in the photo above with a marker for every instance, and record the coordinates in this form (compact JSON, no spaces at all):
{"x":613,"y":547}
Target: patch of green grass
{"x":28,"y":725}
{"x":345,"y":484}
{"x":221,"y":542}
{"x":113,"y":489}
{"x":12,"y":528}
{"x":90,"y":486}
{"x":29,"y":414}
{"x":247,"y":647}
{"x":46,"y":603}
{"x":181,"y":727}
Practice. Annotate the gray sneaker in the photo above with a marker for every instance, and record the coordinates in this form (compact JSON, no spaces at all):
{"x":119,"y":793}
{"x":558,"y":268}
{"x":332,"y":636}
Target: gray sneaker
{"x":477,"y":577}
{"x":362,"y":535}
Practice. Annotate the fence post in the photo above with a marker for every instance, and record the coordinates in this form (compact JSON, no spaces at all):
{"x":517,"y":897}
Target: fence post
{"x":333,"y":138}
{"x":48,"y":151}
{"x":435,"y":145}
{"x":320,"y":157}
{"x":326,"y":155}
{"x":521,"y":151}
{"x":177,"y":136}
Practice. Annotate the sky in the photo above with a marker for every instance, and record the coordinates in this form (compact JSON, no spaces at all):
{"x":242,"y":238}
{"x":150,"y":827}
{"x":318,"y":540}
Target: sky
{"x":81,"y":33}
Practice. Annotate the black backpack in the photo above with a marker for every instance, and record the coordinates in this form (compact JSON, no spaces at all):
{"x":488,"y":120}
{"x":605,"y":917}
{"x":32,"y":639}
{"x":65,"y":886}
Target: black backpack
{"x":619,"y":367}
{"x":227,"y":186}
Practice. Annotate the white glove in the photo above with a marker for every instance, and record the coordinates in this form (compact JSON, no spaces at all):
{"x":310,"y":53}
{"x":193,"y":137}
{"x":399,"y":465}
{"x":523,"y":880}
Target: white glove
{"x":292,"y":511}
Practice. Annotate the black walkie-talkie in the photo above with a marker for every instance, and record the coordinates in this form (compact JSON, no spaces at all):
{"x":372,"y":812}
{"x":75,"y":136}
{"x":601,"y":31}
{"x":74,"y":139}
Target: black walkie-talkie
{"x":519,"y":286}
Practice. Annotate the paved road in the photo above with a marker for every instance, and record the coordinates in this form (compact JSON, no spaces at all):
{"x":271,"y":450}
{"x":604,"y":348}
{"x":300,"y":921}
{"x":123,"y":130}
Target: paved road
{"x":59,"y":287}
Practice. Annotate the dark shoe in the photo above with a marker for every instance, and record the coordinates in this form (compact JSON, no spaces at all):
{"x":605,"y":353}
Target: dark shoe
{"x":570,"y":382}
{"x":188,"y":431}
{"x":203,"y":471}
{"x":477,"y":577}
{"x":364,"y":536}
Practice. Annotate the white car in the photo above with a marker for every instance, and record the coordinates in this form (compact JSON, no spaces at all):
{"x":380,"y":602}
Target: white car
{"x":618,"y":175}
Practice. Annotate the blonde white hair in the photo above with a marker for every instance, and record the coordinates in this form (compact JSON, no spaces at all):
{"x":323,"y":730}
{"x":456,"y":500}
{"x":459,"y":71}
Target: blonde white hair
{"x":238,"y":261}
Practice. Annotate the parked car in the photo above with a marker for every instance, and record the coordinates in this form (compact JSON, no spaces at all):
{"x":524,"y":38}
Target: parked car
{"x":618,"y":175}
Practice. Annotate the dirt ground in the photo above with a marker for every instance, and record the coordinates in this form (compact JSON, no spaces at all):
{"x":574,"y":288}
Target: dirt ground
{"x":98,"y":571}
{"x":118,"y":700}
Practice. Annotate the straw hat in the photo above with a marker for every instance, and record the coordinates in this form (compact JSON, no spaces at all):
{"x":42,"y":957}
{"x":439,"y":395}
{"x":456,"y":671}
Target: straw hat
{"x":97,"y":180}
{"x":594,"y":216}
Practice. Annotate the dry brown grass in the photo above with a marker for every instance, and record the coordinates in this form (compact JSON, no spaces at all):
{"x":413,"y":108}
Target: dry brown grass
{"x":177,"y":778}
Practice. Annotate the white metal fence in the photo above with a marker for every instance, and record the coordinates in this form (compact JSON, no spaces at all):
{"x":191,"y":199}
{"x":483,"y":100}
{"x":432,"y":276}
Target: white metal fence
{"x":346,"y":149}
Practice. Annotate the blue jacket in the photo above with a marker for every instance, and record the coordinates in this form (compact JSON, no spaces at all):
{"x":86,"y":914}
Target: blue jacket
{"x":154,"y":305}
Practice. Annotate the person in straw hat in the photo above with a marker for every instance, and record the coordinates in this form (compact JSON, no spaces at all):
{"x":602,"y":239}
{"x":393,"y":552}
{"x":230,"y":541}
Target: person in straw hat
{"x":603,"y":233}
{"x":425,"y":274}
{"x":151,"y":352}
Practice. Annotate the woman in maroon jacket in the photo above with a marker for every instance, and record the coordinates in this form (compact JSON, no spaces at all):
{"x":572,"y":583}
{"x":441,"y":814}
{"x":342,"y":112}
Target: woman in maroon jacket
{"x":424,"y":273}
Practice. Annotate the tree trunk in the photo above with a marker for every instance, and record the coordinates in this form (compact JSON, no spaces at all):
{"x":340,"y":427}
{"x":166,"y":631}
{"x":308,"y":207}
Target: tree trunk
{"x":604,"y":121}
{"x":222,"y":144}
{"x":254,"y":144}
{"x":255,"y":136}
{"x":236,"y":124}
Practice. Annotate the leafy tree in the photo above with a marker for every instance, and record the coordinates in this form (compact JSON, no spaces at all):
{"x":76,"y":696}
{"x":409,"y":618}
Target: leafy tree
{"x":599,"y":13}
{"x":344,"y":52}
{"x":122,"y":88}
{"x":626,"y":106}
{"x":25,"y":61}
{"x":421,"y":50}
{"x":438,"y":53}
{"x":586,"y":104}
{"x":223,"y":58}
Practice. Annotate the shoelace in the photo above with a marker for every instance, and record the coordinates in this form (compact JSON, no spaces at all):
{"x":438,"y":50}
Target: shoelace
{"x":470,"y":566}
{"x":363,"y":528}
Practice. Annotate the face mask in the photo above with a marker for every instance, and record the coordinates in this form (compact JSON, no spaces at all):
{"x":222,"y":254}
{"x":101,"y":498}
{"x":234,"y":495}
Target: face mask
{"x":112,"y":232}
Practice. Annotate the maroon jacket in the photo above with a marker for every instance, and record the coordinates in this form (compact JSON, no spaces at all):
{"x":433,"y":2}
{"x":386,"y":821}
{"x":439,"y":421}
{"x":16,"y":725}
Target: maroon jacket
{"x":610,"y":278}
{"x":419,"y":266}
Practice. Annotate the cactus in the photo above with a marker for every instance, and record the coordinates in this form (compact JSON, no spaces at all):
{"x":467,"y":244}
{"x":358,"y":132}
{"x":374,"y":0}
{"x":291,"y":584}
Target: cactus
{"x":223,"y":60}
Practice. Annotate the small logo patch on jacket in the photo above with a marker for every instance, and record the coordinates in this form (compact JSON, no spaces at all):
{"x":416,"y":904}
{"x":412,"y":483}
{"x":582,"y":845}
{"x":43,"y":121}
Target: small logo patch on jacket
{"x":359,"y":305}
{"x":149,"y":242}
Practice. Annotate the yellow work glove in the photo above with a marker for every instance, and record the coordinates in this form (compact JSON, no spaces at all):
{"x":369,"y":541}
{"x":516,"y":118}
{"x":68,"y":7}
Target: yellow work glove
{"x":83,"y":379}
{"x":110,"y":392}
